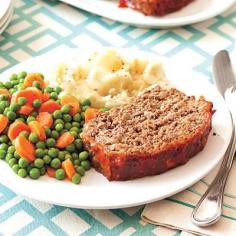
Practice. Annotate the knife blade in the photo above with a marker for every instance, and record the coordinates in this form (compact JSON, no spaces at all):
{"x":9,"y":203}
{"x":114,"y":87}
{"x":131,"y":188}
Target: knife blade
{"x":223,"y":72}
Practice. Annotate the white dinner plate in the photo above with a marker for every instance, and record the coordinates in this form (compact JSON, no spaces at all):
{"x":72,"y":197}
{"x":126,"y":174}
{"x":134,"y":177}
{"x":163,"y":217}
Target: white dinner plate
{"x":197,"y":11}
{"x":4,"y":7}
{"x":95,"y":191}
{"x":7,"y":19}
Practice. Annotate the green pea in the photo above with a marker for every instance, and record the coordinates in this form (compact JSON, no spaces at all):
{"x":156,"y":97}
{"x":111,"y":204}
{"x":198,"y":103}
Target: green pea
{"x":86,"y":102}
{"x":80,"y":170}
{"x":85,"y":164}
{"x":23,"y":163}
{"x":34,"y":173}
{"x":60,"y":174}
{"x":29,"y":119}
{"x":75,"y":124}
{"x":50,"y":142}
{"x":3,"y":146}
{"x":53,"y":152}
{"x":14,"y":107}
{"x":42,"y":171}
{"x":11,"y":149}
{"x":82,"y":115}
{"x":11,"y":115}
{"x":75,"y":129}
{"x":68,"y":156}
{"x":47,"y":159}
{"x":3,"y":154}
{"x":49,"y":90}
{"x":76,"y":162}
{"x":75,"y":156}
{"x":76,"y":179}
{"x":39,"y":163}
{"x":75,"y":134}
{"x":15,"y":168}
{"x":3,"y":98}
{"x":22,"y":74}
{"x":55,"y":163}
{"x":83,"y":156}
{"x":16,"y":155}
{"x":6,"y":110}
{"x":58,"y":121}
{"x":4,"y":138}
{"x":40,"y":144}
{"x":8,"y":85}
{"x":2,"y":105}
{"x":104,"y":109}
{"x":54,"y":95}
{"x":65,"y":109}
{"x":12,"y":162}
{"x":54,"y":134}
{"x":70,"y":148}
{"x":47,"y":132}
{"x":36,"y":84}
{"x":58,"y":89}
{"x":22,"y":173}
{"x":33,"y":137}
{"x":67,"y":126}
{"x":25,"y":134}
{"x":45,"y":151}
{"x":36,"y":103}
{"x":21,"y":119}
{"x":59,"y":127}
{"x":13,"y":77}
{"x":39,"y":152}
{"x":9,"y":157}
{"x":84,"y":108}
{"x":61,"y":155}
{"x":78,"y":144}
{"x":77,"y":117}
{"x":22,"y":101}
{"x":67,"y":118}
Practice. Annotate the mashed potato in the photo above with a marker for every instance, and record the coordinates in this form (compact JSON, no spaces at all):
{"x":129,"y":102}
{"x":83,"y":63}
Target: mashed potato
{"x":108,"y":78}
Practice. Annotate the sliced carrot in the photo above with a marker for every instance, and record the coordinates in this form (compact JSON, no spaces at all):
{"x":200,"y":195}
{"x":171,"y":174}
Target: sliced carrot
{"x":46,"y":97}
{"x":30,"y":78}
{"x":64,"y":140}
{"x":25,"y":110}
{"x":45,"y":119}
{"x":51,"y":172}
{"x":3,"y":122}
{"x":15,"y":129}
{"x":68,"y":167}
{"x":4,"y":92}
{"x":25,"y":148}
{"x":37,"y":128}
{"x":90,"y":114}
{"x":50,"y":106}
{"x":30,"y":94}
{"x":72,"y":101}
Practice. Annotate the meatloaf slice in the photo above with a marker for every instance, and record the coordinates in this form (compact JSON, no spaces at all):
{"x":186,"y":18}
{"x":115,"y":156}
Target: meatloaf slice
{"x":159,"y":7}
{"x":156,"y":131}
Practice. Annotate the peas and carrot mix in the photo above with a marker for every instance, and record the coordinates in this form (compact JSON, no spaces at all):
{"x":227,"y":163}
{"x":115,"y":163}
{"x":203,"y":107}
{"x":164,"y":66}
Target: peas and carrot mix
{"x":40,"y":130}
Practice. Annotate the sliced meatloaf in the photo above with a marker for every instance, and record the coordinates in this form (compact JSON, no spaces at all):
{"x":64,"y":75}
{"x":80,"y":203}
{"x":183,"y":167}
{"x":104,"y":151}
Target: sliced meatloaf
{"x":156,"y":131}
{"x":159,"y":7}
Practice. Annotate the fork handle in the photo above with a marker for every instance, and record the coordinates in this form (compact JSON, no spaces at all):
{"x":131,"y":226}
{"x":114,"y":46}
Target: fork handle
{"x":209,"y":208}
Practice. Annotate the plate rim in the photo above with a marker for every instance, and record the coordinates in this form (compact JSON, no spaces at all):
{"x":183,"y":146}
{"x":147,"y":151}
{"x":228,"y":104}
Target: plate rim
{"x":113,"y":206}
{"x":159,"y":23}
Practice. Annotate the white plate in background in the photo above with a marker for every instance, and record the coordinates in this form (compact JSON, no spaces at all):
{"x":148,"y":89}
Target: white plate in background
{"x":95,"y":191}
{"x":197,"y":11}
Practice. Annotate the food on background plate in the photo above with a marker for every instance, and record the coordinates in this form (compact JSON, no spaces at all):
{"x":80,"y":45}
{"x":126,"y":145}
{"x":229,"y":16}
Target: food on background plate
{"x":108,"y":78}
{"x":40,"y":129}
{"x":155,"y":7}
{"x":158,"y":130}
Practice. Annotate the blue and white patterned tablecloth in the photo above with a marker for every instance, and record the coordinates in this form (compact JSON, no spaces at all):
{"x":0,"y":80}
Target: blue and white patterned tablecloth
{"x":40,"y":26}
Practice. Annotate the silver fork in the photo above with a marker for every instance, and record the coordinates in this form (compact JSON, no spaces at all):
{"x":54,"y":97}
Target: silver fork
{"x":209,"y":208}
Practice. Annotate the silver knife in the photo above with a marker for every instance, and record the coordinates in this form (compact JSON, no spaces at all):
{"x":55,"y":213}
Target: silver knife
{"x":209,"y":208}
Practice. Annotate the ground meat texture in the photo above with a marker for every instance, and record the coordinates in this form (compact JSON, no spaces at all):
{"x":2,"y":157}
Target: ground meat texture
{"x":156,"y":131}
{"x":159,"y":7}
